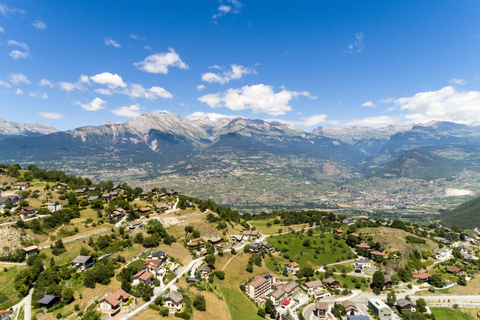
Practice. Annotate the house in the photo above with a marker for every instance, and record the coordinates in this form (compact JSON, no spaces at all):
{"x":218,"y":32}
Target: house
{"x":259,"y":286}
{"x":267,"y":246}
{"x":61,"y":186}
{"x":27,"y":212}
{"x":31,"y":250}
{"x":321,"y":309}
{"x":406,"y":305}
{"x":159,"y":255}
{"x":135,"y":225}
{"x":388,"y":283}
{"x":49,"y":301}
{"x":3,"y":202}
{"x":153,"y":266}
{"x":20,"y":185}
{"x":106,"y":197}
{"x":315,"y":289}
{"x":380,"y":309}
{"x":250,"y":234}
{"x":217,"y":242}
{"x":292,"y":267}
{"x":363,"y":246}
{"x":142,"y":276}
{"x":467,"y":250}
{"x":284,"y":292}
{"x":162,"y":206}
{"x":443,"y":254}
{"x":455,"y":270}
{"x":174,"y":300}
{"x":92,"y":189}
{"x":347,"y":221}
{"x":83,"y":262}
{"x":172,"y":194}
{"x":255,"y":247}
{"x":361,"y":264}
{"x":195,"y":242}
{"x":203,"y":272}
{"x":204,"y":252}
{"x":350,"y":308}
{"x":117,"y":213}
{"x":236,"y":238}
{"x":144,"y":211}
{"x":5,"y":314}
{"x":2,"y":171}
{"x":162,"y":195}
{"x":375,"y":254}
{"x":91,"y":198}
{"x":79,"y":191}
{"x":338,"y":231}
{"x":332,"y":283}
{"x":143,"y":195}
{"x":112,"y":303}
{"x":422,"y":276}
{"x":52,"y":207}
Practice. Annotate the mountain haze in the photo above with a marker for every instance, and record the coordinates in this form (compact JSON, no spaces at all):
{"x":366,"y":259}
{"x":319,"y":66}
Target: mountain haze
{"x":9,"y":129}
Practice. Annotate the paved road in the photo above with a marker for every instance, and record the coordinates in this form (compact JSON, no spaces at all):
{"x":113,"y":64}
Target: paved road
{"x":14,"y":263}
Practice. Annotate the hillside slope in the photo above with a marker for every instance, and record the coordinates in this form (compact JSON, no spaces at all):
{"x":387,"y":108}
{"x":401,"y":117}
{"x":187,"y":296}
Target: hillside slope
{"x":466,"y":215}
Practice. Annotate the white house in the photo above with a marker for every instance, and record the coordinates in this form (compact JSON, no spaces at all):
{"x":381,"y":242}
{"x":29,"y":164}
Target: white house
{"x":52,"y":207}
{"x":174,"y":300}
{"x":20,"y":185}
{"x":380,"y":309}
{"x":143,"y":276}
{"x":361,"y":264}
{"x":112,"y":303}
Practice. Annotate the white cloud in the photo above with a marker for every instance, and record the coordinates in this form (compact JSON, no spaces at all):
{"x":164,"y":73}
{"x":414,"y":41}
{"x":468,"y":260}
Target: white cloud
{"x":390,"y":109}
{"x":138,"y":91}
{"x":446,"y":104}
{"x":16,"y":43}
{"x":387,"y":100}
{"x":358,"y":45}
{"x":18,"y":78}
{"x":110,"y":42}
{"x":134,"y":36}
{"x":211,"y":115}
{"x":84,"y":79}
{"x":67,"y":86}
{"x":223,"y":9}
{"x":368,"y":104}
{"x":45,"y":82}
{"x":19,"y":91}
{"x":104,"y":91}
{"x":458,"y":81}
{"x":51,"y":115}
{"x":5,"y":84}
{"x":5,"y":10}
{"x":159,"y":63}
{"x":2,"y":30}
{"x":95,"y":105}
{"x":215,"y":67}
{"x":201,"y":87}
{"x":147,"y":48}
{"x":236,"y":72}
{"x":259,"y":98}
{"x":111,"y":80}
{"x":39,"y":25}
{"x":38,"y":94}
{"x":15,"y":54}
{"x":130,"y":112}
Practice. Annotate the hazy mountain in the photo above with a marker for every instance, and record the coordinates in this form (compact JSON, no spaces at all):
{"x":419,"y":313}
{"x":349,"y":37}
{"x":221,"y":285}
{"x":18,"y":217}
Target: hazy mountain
{"x":355,"y":134}
{"x":10,"y":129}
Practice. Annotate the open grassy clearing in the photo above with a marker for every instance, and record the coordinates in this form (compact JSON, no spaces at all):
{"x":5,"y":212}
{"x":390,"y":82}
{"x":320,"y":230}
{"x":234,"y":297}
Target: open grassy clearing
{"x":472,"y":287}
{"x":311,"y":255}
{"x":8,"y":294}
{"x":261,"y":226}
{"x":347,"y":280}
{"x":450,"y":314}
{"x":150,"y":314}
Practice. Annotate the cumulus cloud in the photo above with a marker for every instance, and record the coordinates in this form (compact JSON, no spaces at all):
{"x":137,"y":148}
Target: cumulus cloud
{"x":356,"y":46}
{"x":138,"y":91}
{"x":45,"y":82}
{"x":16,"y":54}
{"x":38,"y":94}
{"x":368,"y":104}
{"x":68,"y":86}
{"x":16,"y":78}
{"x":19,"y":91}
{"x":95,"y":105}
{"x":201,"y":87}
{"x":132,"y":111}
{"x":160,"y":62}
{"x":236,"y":72}
{"x":105,"y":92}
{"x":6,"y":10}
{"x":199,"y":115}
{"x":259,"y":98}
{"x":458,"y":81}
{"x":39,"y":25}
{"x":111,"y":80}
{"x":110,"y":42}
{"x":223,"y":9}
{"x":51,"y":115}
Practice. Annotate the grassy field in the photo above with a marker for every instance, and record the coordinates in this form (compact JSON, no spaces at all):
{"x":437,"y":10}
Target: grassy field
{"x":450,"y":314}
{"x":150,"y":314}
{"x":348,"y":281}
{"x":137,"y":263}
{"x":8,"y":294}
{"x":261,"y":226}
{"x":306,"y":255}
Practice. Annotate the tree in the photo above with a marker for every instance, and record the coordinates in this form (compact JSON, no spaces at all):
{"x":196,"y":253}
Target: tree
{"x":378,"y":281}
{"x":436,"y":280}
{"x":126,"y":286}
{"x":164,"y":311}
{"x":391,"y":298}
{"x":210,"y":260}
{"x":138,"y":238}
{"x":421,"y":304}
{"x":268,"y":306}
{"x":261,"y":312}
{"x":67,"y":295}
{"x":220,"y":274}
{"x":146,"y":293}
{"x":199,"y":303}
{"x":89,"y":280}
{"x":247,"y":248}
{"x":249,"y":268}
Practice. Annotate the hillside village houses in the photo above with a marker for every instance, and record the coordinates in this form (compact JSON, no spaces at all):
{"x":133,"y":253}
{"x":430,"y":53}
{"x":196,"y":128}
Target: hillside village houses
{"x":83,"y":262}
{"x":144,"y":277}
{"x":52,"y":207}
{"x":174,"y":300}
{"x":30,"y":250}
{"x":380,"y":309}
{"x":21,"y":185}
{"x":112,"y":303}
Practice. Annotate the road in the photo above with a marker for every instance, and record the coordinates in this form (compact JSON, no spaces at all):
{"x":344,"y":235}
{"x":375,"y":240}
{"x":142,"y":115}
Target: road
{"x":26,"y":303}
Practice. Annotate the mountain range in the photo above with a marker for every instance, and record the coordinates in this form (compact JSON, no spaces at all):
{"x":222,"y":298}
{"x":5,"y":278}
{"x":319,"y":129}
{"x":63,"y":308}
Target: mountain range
{"x":157,"y":142}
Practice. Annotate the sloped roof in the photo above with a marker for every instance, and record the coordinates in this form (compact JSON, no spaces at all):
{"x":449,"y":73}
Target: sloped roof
{"x":175,"y":296}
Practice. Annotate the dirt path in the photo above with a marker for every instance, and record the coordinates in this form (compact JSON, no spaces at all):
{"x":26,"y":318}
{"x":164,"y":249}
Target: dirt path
{"x":226,"y":264}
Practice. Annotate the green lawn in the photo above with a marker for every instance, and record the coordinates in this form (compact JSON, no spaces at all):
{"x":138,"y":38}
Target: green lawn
{"x":137,"y":263}
{"x":261,"y":226}
{"x":335,"y":250}
{"x":450,"y":314}
{"x":238,"y":304}
{"x":169,"y":277}
{"x":8,"y":294}
{"x":348,"y":281}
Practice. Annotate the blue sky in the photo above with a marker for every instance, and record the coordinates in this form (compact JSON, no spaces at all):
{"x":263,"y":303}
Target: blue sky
{"x":310,"y":63}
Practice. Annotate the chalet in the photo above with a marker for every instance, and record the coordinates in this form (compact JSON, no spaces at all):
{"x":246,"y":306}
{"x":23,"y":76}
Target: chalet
{"x":363,"y":246}
{"x":52,"y":207}
{"x":267,"y":246}
{"x":203,"y":272}
{"x":162,"y":206}
{"x":162,"y":195}
{"x":135,"y":225}
{"x":255,"y":247}
{"x":153,"y":266}
{"x":144,"y":211}
{"x":91,"y":198}
{"x":217,"y":242}
{"x":49,"y":301}
{"x":83,"y":262}
{"x":174,"y":300}
{"x":455,"y":270}
{"x":380,"y":309}
{"x":2,"y":171}
{"x":143,"y":195}
{"x":292,"y":267}
{"x":388,"y":283}
{"x":250,"y":234}
{"x":236,"y":238}
{"x":422,"y":276}
{"x":315,"y":289}
{"x":114,"y":194}
{"x":158,"y":255}
{"x":443,"y":253}
{"x":79,"y":191}
{"x":406,"y":305}
{"x":112,"y":303}
{"x":259,"y":286}
{"x":321,"y":309}
{"x":106,"y":197}
{"x":350,"y":308}
{"x":172,"y":194}
{"x":332,"y":283}
{"x":154,"y":190}
{"x":61,"y":186}
{"x":355,"y":234}
{"x":27,"y":212}
{"x":30,"y":250}
{"x":5,"y":314}
{"x":92,"y":189}
{"x":361,"y":264}
{"x":195,"y":242}
{"x":347,"y":221}
{"x":338,"y":231}
{"x":204,"y":252}
{"x":117,"y":213}
{"x":3,"y":202}
{"x":20,"y":185}
{"x":142,"y":276}
{"x":375,"y":254}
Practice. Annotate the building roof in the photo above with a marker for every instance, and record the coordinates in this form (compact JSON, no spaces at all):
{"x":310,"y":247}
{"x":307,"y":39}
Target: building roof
{"x":454,"y":269}
{"x":331,"y":280}
{"x":321,"y":305}
{"x":260,"y":280}
{"x":151,"y":264}
{"x":143,"y":275}
{"x":175,"y":296}
{"x":358,"y":318}
{"x":20,"y":184}
{"x":204,"y":269}
{"x":363,"y":245}
{"x":313,"y":284}
{"x":81,"y":259}
{"x":158,"y":254}
{"x":422,"y":276}
{"x":277,"y":294}
{"x":404,"y":302}
{"x":289,"y":287}
{"x":378,"y":303}
{"x":114,"y":298}
{"x":29,"y":208}
{"x":292,"y":264}
{"x":47,"y":299}
{"x":378,"y":253}
{"x":349,"y":305}
{"x":31,"y":248}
